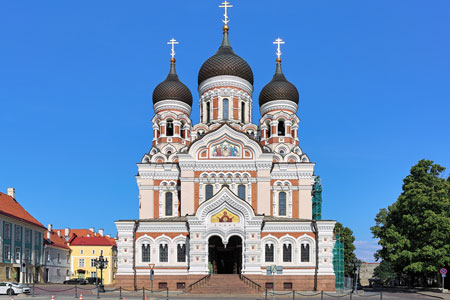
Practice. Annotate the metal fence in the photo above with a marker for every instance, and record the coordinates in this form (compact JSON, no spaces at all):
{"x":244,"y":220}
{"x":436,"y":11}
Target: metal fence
{"x":269,"y":295}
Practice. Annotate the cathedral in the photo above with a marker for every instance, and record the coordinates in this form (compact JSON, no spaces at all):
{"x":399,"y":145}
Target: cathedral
{"x":226,"y":195}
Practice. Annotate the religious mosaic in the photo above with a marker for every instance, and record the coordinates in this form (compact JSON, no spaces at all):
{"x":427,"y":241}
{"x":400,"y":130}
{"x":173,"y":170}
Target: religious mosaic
{"x":224,"y":216}
{"x":226,"y":149}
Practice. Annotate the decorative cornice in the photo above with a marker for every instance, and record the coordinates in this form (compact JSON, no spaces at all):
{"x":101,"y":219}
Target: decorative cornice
{"x":172,"y":105}
{"x":225,"y":80}
{"x":278,"y":105}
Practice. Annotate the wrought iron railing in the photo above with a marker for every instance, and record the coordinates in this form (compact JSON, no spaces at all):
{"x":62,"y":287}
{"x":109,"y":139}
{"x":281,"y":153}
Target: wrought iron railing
{"x":198,"y":283}
{"x":250,"y":282}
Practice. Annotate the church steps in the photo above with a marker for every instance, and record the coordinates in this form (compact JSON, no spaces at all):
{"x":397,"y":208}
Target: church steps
{"x":224,"y":284}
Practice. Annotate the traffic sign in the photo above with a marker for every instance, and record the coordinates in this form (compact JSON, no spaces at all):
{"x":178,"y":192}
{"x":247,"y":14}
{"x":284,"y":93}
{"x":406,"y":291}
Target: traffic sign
{"x":443,"y":271}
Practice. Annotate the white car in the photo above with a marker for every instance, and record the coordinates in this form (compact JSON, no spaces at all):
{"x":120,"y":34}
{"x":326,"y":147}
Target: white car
{"x":13,"y":288}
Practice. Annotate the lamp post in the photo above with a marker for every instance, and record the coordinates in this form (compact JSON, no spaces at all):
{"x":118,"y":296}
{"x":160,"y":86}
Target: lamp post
{"x":356,"y":267}
{"x":101,"y":264}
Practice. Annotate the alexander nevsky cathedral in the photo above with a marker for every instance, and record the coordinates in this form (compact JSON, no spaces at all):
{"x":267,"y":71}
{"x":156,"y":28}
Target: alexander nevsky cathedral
{"x":226,"y":200}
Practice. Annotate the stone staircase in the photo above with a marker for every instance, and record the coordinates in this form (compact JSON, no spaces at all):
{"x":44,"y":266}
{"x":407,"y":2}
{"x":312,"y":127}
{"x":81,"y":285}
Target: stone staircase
{"x":224,"y":284}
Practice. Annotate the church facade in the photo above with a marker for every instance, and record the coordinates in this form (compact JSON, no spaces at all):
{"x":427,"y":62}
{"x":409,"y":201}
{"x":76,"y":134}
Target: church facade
{"x":226,"y":195}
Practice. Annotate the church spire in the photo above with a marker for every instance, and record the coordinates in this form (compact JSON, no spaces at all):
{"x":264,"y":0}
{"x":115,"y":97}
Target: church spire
{"x":225,"y":5}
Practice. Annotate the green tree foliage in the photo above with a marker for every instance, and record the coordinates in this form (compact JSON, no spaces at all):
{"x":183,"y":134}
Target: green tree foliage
{"x":385,"y":273}
{"x":346,"y":236}
{"x":414,"y":232}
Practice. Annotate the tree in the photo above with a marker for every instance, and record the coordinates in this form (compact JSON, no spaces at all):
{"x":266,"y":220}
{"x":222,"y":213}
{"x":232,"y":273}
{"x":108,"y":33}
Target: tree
{"x":385,"y":273}
{"x":414,"y":231}
{"x":346,"y":236}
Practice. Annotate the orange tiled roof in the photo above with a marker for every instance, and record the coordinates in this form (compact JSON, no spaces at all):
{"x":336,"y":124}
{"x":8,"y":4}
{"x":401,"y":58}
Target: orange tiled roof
{"x":91,"y":241}
{"x":85,"y":233}
{"x":11,"y":208}
{"x":57,"y":241}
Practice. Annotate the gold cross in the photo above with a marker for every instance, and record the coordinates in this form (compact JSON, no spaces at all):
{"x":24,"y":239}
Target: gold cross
{"x":225,"y":5}
{"x":173,"y":42}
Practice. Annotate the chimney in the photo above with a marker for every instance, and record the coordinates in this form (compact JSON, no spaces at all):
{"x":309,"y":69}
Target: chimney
{"x":59,"y":233}
{"x":66,"y":234}
{"x":101,"y":232}
{"x":91,"y":229}
{"x":108,"y":235}
{"x":49,"y":235}
{"x":50,"y":227}
{"x":12,"y":192}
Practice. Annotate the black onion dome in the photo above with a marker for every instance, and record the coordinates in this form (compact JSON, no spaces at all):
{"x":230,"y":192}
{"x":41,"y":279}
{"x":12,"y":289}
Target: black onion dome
{"x":172,"y":88}
{"x":278,"y":89}
{"x":225,"y":62}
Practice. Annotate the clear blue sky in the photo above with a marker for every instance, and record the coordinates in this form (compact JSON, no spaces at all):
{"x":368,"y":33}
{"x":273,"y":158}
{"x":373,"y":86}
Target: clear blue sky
{"x":76,"y":79}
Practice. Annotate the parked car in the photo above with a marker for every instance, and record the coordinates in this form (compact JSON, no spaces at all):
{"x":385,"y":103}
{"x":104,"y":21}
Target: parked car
{"x":93,"y":280}
{"x":75,"y":281}
{"x":13,"y":288}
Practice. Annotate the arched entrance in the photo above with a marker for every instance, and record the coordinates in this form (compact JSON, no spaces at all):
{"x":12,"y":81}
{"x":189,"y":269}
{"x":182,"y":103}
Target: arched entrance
{"x":225,"y":260}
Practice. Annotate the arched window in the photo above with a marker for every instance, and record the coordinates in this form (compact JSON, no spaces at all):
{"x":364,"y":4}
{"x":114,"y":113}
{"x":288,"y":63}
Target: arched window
{"x":208,"y":112}
{"x":241,"y":191}
{"x":209,"y":191}
{"x":287,"y":252}
{"x":169,"y":128}
{"x":304,"y":253}
{"x":225,"y":109}
{"x":145,"y":252}
{"x":281,"y":128}
{"x":269,"y":253}
{"x":169,"y":203}
{"x":282,"y":204}
{"x":181,"y":252}
{"x":269,"y":129}
{"x":243,"y":112}
{"x":182,"y":130}
{"x":163,"y":253}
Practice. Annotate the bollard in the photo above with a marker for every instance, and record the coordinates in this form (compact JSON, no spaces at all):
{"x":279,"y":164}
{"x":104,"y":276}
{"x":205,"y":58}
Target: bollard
{"x":33,"y":290}
{"x":351,"y":296}
{"x":293,"y":295}
{"x":167,"y":291}
{"x":98,"y":294}
{"x":53,"y":297}
{"x":266,"y":295}
{"x":321,"y":295}
{"x":143,"y":293}
{"x":120,"y":293}
{"x":381,"y":295}
{"x":76,"y":292}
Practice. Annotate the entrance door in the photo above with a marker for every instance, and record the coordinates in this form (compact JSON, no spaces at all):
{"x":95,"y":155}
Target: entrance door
{"x":225,"y":260}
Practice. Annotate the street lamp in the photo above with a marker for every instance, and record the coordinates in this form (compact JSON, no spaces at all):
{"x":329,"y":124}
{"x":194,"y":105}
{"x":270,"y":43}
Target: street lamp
{"x":101,"y":264}
{"x":356,"y":266}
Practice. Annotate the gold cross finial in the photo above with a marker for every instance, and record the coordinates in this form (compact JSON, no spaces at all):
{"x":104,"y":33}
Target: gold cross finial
{"x":279,"y":42}
{"x":225,"y":5}
{"x":173,"y":42}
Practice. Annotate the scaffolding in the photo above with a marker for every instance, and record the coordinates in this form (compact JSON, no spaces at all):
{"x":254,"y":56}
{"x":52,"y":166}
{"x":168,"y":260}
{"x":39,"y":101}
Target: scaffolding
{"x":338,"y":263}
{"x":317,"y":199}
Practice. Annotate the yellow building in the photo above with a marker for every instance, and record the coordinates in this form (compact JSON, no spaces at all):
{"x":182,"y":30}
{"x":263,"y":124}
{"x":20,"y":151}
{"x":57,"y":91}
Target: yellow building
{"x":85,"y":249}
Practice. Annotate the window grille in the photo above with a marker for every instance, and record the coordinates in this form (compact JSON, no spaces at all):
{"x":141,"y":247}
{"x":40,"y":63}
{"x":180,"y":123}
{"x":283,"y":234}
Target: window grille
{"x":181,"y":252}
{"x":163,"y":253}
{"x":269,"y":252}
{"x":287,"y":252}
{"x":304,"y":253}
{"x":146,"y":253}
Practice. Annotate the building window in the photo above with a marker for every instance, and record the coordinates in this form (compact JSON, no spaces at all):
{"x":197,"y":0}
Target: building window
{"x":163,"y":253}
{"x":208,"y":112}
{"x":241,"y":191}
{"x":7,"y":252}
{"x":81,"y":263}
{"x":92,"y":263}
{"x":27,"y":256}
{"x":269,"y":285}
{"x":81,"y":251}
{"x":243,"y":112}
{"x":67,"y":258}
{"x":17,"y":233}
{"x":225,"y":109}
{"x":36,"y":257}
{"x":162,"y":285}
{"x":181,"y":285}
{"x":287,"y":252}
{"x":93,"y":251}
{"x":181,"y":252}
{"x":47,"y":255}
{"x":101,"y":252}
{"x":281,"y":129}
{"x":37,"y":238}
{"x":18,"y":254}
{"x":59,"y":257}
{"x":287,"y":285}
{"x":282,"y":204}
{"x":304,"y":253}
{"x":269,"y":252}
{"x":58,"y":272}
{"x":209,"y":191}
{"x":8,"y":272}
{"x":169,"y":128}
{"x":169,"y":203}
{"x":28,"y":236}
{"x":146,"y":253}
{"x":7,"y":231}
{"x":93,"y":274}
